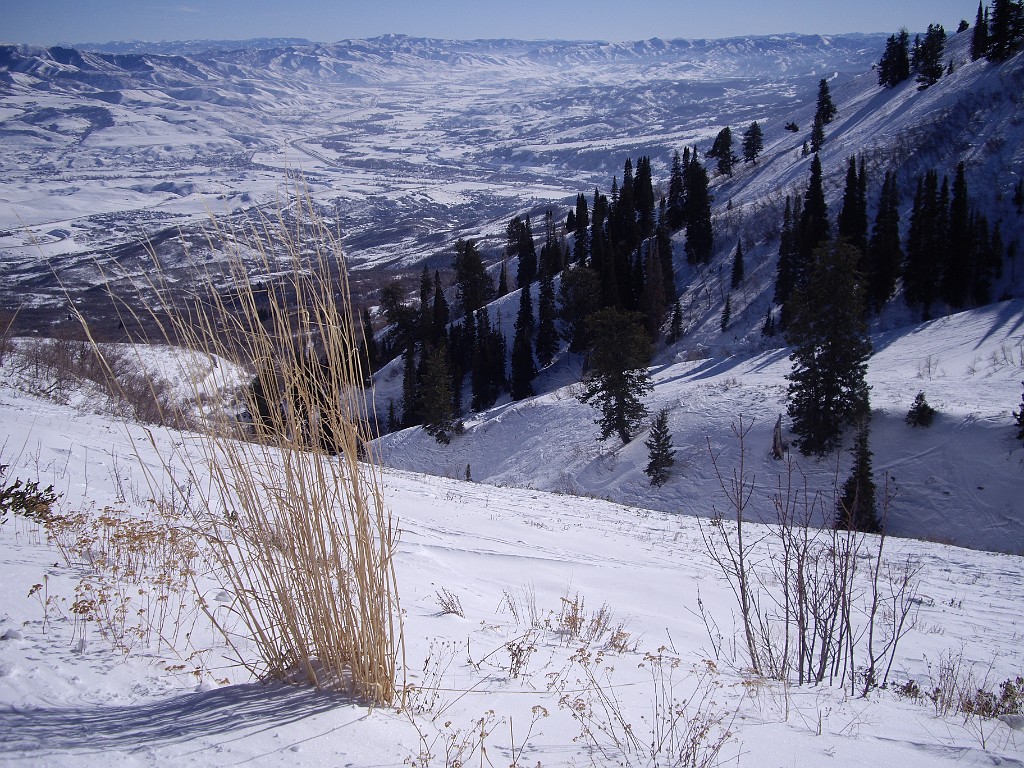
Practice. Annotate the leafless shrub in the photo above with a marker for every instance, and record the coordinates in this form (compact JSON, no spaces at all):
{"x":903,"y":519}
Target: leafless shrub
{"x":450,"y":603}
{"x":681,"y":726}
{"x":807,"y":608}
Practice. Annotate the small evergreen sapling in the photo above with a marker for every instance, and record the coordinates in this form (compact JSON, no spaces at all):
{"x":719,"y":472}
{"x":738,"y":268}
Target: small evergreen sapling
{"x":857,"y":509}
{"x":920,"y":414}
{"x":661,"y":455}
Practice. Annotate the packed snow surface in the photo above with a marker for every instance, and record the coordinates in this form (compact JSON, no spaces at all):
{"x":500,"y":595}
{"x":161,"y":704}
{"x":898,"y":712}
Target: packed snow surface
{"x":499,"y":682}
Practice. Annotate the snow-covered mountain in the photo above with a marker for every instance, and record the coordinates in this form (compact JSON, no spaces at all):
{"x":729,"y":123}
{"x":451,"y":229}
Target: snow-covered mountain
{"x":410,"y":143}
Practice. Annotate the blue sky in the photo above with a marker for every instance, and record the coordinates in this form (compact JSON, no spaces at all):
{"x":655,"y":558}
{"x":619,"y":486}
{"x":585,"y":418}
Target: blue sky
{"x":52,"y":21}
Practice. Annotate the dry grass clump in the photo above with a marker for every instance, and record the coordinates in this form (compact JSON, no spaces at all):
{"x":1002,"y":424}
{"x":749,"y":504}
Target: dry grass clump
{"x":289,"y":495}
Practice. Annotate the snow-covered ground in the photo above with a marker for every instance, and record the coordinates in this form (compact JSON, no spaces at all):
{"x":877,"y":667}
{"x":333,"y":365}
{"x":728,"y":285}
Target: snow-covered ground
{"x":499,"y":684}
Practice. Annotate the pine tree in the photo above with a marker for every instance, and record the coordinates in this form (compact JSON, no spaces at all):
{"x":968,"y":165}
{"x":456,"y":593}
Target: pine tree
{"x":677,"y":194}
{"x":699,"y":235}
{"x":1005,"y":30}
{"x":475,"y":287}
{"x":581,"y":243}
{"x":738,"y":268}
{"x":753,"y":143}
{"x":503,"y":279}
{"x":727,"y":312}
{"x":929,"y":64}
{"x":579,"y":297}
{"x":885,"y":254}
{"x":813,"y":228}
{"x":817,"y":136}
{"x":894,"y":66}
{"x":721,"y":150}
{"x":979,"y":39}
{"x":660,"y":454}
{"x":827,"y":389}
{"x":920,"y":414}
{"x":410,"y":389}
{"x":853,"y":224}
{"x":826,"y":110}
{"x":857,"y":509}
{"x":618,"y":377}
{"x":643,"y":195}
{"x":676,"y":324}
{"x":925,"y":246}
{"x":547,"y":332}
{"x":436,"y":396}
{"x":956,"y":279}
{"x":393,"y":423}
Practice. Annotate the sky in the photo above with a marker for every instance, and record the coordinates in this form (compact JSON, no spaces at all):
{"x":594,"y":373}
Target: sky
{"x":48,"y":22}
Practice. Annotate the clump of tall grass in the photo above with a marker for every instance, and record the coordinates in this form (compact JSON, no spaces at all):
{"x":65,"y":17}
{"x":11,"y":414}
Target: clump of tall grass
{"x":290,"y":503}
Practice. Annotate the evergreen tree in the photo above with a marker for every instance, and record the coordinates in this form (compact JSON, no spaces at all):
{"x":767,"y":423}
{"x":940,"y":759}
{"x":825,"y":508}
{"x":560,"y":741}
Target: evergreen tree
{"x":660,"y":454}
{"x":925,"y":246}
{"x":579,"y":297}
{"x":393,"y":423}
{"x":1005,"y":30}
{"x":676,"y":195}
{"x":653,"y":303}
{"x":371,"y":353}
{"x":721,"y":150}
{"x":957,"y":276}
{"x":979,"y":39}
{"x":853,"y":223}
{"x":581,"y":242}
{"x":676,"y":325}
{"x":768,"y":329}
{"x":410,"y":389}
{"x":813,"y":228}
{"x":920,"y":414}
{"x":827,"y":389}
{"x":817,"y":136}
{"x":787,"y":255}
{"x":885,"y":254}
{"x":547,"y":332}
{"x":737,"y":267}
{"x":699,"y":235}
{"x":436,"y":396}
{"x":857,"y":507}
{"x":894,"y":68}
{"x":753,"y":143}
{"x":440,"y":314}
{"x":826,"y":110}
{"x":929,"y":64}
{"x":475,"y":287}
{"x":727,"y":312}
{"x":618,"y":377}
{"x":503,"y":279}
{"x":643,"y":195}
{"x":663,"y":247}
{"x":523,"y":368}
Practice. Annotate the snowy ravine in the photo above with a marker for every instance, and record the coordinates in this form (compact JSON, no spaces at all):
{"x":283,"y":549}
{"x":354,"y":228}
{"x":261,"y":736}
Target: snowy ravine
{"x":514,"y":559}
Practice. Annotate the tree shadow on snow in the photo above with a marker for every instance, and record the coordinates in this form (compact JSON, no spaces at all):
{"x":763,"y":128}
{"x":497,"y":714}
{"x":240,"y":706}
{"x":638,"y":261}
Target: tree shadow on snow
{"x":238,"y":709}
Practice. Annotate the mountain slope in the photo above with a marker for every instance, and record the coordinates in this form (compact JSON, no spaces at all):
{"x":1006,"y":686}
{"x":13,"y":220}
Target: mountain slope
{"x":963,"y":470}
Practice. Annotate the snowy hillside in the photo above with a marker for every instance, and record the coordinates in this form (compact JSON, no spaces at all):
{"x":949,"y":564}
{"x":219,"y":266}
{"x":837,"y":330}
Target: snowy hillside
{"x":711,"y":378}
{"x":532,"y":621}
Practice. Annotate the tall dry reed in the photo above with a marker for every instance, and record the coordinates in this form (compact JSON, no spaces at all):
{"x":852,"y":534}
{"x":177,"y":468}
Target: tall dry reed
{"x":290,"y":502}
